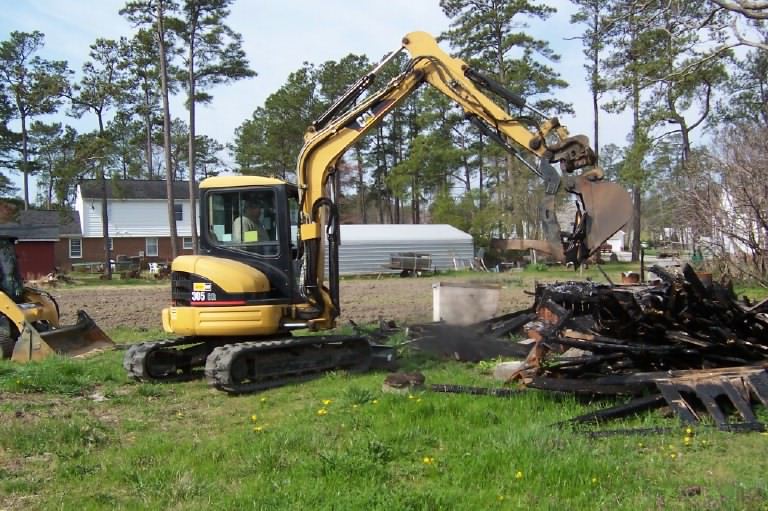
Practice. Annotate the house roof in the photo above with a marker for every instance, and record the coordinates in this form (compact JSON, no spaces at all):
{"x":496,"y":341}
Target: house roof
{"x":29,"y":232}
{"x":65,"y":221}
{"x":134,"y":189}
{"x":401,"y":232}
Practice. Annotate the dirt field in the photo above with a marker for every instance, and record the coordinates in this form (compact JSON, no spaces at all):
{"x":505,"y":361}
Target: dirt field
{"x":407,"y":300}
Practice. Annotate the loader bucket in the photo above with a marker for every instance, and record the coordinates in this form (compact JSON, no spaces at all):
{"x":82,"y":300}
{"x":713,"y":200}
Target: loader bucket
{"x":76,"y":340}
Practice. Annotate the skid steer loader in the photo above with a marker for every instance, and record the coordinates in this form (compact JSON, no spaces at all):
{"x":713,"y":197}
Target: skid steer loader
{"x":29,"y":319}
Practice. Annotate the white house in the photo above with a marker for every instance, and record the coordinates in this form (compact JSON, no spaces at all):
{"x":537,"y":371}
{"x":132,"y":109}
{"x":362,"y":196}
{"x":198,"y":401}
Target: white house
{"x":137,"y":219}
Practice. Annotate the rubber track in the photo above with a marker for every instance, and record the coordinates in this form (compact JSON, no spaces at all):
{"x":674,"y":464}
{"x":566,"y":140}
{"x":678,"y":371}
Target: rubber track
{"x":220,"y":362}
{"x":135,"y":360}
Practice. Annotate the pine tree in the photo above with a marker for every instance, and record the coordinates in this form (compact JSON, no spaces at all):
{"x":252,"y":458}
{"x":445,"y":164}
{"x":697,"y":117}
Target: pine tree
{"x":33,"y":85}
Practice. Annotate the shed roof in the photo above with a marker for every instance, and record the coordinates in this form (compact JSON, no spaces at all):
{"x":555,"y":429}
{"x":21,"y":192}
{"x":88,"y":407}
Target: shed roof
{"x":67,"y":222}
{"x":401,"y":232}
{"x":134,"y":189}
{"x":29,"y":232}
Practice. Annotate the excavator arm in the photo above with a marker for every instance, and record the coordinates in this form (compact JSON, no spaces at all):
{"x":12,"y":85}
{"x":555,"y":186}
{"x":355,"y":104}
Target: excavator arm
{"x":604,"y":207}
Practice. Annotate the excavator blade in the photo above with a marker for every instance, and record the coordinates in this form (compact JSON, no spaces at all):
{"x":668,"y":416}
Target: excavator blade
{"x":84,"y":337}
{"x":608,"y":208}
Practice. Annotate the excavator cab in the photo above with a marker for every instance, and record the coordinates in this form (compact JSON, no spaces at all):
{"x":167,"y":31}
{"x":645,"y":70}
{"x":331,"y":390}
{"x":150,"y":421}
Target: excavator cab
{"x":256,"y":225}
{"x":245,"y":277}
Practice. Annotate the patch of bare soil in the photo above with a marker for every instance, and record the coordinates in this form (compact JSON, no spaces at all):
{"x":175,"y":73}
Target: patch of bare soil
{"x":111,"y":307}
{"x":404,"y":300}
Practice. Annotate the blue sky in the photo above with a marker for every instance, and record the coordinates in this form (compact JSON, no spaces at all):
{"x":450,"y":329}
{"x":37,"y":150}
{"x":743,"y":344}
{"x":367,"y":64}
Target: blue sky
{"x":280,"y":35}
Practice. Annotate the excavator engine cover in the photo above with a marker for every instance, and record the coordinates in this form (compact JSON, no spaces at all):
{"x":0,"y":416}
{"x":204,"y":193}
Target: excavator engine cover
{"x":84,"y":337}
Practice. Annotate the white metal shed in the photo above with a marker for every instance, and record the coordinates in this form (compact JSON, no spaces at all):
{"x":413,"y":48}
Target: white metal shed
{"x":366,"y":248}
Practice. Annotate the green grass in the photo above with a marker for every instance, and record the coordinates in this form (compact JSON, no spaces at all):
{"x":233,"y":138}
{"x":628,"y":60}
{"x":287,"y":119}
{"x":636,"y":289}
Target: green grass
{"x":338,"y":442}
{"x":754,"y":293}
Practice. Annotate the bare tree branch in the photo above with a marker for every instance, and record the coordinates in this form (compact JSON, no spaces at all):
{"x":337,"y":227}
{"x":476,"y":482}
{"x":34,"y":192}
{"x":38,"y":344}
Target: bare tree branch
{"x":753,"y":9}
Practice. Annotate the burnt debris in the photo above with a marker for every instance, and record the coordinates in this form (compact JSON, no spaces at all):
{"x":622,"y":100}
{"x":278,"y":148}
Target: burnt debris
{"x":681,"y":342}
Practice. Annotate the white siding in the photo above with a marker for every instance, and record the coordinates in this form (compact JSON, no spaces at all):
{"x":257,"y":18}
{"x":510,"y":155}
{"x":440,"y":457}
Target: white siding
{"x":79,"y":206}
{"x":366,"y":249}
{"x":132,"y":218}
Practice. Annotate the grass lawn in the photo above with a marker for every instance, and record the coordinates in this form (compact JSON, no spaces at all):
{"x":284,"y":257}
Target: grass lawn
{"x":78,"y":435}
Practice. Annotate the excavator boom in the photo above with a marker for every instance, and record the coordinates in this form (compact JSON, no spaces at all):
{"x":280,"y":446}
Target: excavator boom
{"x":604,"y":206}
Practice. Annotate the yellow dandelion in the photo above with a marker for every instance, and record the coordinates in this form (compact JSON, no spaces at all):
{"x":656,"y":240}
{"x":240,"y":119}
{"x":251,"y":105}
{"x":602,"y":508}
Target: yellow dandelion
{"x":253,"y":418}
{"x":673,"y":455}
{"x":375,"y":402}
{"x":322,"y":411}
{"x":411,"y":396}
{"x":687,"y":441}
{"x":326,"y":402}
{"x":689,"y":431}
{"x":258,"y":429}
{"x":519,"y":474}
{"x":428,"y":460}
{"x":354,"y":406}
{"x":594,"y":480}
{"x":179,"y":414}
{"x":263,"y":400}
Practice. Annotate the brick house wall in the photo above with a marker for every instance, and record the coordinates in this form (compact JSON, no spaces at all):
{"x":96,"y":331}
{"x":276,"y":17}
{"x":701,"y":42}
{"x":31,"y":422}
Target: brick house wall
{"x":93,"y":249}
{"x":61,"y":255}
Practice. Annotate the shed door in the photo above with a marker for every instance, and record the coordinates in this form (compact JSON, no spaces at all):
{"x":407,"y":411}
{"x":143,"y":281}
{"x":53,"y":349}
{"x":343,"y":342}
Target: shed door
{"x":36,"y":258}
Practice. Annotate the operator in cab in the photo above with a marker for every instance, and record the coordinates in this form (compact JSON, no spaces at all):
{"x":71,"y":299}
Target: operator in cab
{"x":248,"y":226}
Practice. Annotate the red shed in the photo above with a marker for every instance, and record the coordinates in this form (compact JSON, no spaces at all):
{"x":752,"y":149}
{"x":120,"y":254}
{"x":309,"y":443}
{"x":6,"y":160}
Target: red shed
{"x":35,"y":248}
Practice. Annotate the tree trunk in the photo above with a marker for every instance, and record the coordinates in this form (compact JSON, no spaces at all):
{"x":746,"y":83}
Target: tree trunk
{"x":637,"y":177}
{"x":595,"y":87}
{"x":148,"y":133}
{"x":104,"y":204}
{"x":636,"y":211}
{"x":361,"y":185}
{"x":49,"y":193}
{"x":166,"y":127}
{"x":25,"y":159}
{"x":481,"y":167}
{"x":192,"y":194}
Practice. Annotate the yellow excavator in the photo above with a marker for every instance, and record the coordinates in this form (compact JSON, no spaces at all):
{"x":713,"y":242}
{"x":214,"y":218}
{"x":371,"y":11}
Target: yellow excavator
{"x":29,"y":318}
{"x":260,"y":272}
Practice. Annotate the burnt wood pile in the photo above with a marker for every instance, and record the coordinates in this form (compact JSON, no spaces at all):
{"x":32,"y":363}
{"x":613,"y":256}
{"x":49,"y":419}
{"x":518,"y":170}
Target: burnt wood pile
{"x":587,"y":330}
{"x":680,"y":342}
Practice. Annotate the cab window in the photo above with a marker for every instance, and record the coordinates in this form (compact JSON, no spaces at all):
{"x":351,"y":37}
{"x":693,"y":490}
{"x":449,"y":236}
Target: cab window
{"x":244,"y":220}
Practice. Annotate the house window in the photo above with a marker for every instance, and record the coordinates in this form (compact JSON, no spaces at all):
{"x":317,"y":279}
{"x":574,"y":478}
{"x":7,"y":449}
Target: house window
{"x":151,"y":247}
{"x":178,"y":211}
{"x":75,"y":248}
{"x":187,"y":243}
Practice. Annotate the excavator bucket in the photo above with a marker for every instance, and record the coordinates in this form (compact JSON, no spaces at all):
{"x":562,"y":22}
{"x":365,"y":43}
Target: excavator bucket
{"x":608,"y":207}
{"x":82,"y":338}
